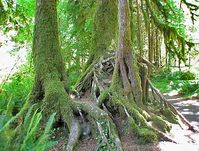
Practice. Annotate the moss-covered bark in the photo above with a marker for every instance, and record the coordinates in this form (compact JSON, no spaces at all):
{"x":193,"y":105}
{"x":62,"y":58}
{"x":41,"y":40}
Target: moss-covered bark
{"x":122,"y":96}
{"x":126,"y":57}
{"x":104,"y":30}
{"x":50,"y":87}
{"x":50,"y":78}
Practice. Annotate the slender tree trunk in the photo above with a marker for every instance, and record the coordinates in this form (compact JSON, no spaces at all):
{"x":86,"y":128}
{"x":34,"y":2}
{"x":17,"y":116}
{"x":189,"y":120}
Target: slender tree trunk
{"x":151,"y":42}
{"x":157,"y":50}
{"x":105,"y":29}
{"x":140,"y":44}
{"x":126,"y":57}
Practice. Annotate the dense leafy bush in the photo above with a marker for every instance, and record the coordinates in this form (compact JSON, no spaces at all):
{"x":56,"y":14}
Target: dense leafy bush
{"x":179,"y":75}
{"x":189,"y":88}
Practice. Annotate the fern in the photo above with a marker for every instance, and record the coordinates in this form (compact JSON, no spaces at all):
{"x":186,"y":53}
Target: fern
{"x":10,"y":107}
{"x":26,"y":136}
{"x":32,"y":129}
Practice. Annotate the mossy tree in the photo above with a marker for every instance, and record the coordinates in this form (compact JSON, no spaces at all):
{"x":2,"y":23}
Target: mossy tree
{"x":50,"y":86}
{"x":113,"y":82}
{"x":104,"y":30}
{"x":117,"y":83}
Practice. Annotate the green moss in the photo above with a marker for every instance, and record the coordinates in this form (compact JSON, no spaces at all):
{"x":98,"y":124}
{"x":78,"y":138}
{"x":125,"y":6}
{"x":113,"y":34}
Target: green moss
{"x":132,"y":125}
{"x":144,"y":135}
{"x":161,"y":124}
{"x":104,"y":95}
{"x":116,"y":84}
{"x":146,"y":115}
{"x":170,"y":116}
{"x":104,"y":34}
{"x":147,"y":136}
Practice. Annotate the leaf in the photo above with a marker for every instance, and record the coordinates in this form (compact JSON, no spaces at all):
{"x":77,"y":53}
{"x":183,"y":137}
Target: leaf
{"x":49,"y":123}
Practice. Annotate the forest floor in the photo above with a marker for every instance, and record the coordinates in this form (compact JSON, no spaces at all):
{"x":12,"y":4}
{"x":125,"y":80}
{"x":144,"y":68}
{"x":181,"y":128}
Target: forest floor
{"x":186,"y":139}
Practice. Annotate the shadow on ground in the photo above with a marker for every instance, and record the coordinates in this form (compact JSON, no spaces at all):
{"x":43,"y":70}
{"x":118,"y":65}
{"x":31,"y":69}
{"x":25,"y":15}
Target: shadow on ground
{"x":186,"y":140}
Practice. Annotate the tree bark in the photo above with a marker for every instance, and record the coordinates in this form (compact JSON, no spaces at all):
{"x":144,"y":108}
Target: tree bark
{"x":50,"y":79}
{"x":126,"y":57}
{"x":105,"y":29}
{"x":139,"y":30}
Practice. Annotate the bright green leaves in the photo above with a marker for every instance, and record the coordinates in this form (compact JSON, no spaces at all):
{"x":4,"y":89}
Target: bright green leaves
{"x":17,"y":16}
{"x":175,"y":17}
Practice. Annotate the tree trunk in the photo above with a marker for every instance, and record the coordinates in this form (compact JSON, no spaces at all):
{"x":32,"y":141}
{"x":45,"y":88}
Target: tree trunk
{"x":126,"y":57}
{"x":124,"y":95}
{"x":151,"y":43}
{"x":105,"y":29}
{"x":50,"y":86}
{"x":158,"y":48}
{"x":139,"y":32}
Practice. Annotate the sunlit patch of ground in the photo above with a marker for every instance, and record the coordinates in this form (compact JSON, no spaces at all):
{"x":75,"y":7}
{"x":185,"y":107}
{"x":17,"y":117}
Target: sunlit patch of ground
{"x":187,"y":107}
{"x":186,"y":140}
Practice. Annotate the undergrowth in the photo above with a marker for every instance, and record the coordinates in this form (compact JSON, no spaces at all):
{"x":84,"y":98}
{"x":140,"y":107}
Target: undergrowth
{"x":16,"y":89}
{"x":25,"y":135}
{"x":17,"y":133}
{"x":184,"y":82}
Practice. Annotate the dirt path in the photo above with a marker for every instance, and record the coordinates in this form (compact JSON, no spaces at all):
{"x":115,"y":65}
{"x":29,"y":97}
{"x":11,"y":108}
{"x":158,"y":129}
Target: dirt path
{"x":188,"y":107}
{"x":186,"y":140}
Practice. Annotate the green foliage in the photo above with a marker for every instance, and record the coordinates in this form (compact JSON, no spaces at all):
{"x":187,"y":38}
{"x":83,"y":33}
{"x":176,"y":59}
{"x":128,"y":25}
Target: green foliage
{"x":189,"y":88}
{"x":16,"y":89}
{"x":18,"y":18}
{"x":179,"y":75}
{"x":73,"y":75}
{"x":187,"y":76}
{"x":27,"y":135}
{"x":182,"y":82}
{"x":175,"y":16}
{"x":75,"y":26}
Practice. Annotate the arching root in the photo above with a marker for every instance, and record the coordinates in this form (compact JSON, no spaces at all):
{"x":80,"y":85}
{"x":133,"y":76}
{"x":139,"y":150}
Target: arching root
{"x":74,"y":135}
{"x":110,"y":96}
{"x":105,"y":126}
{"x":168,"y":104}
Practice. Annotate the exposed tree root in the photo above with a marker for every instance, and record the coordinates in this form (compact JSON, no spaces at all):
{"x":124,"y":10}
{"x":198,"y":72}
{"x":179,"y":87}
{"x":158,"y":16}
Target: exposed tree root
{"x":103,"y":121}
{"x":74,"y":135}
{"x":168,"y":104}
{"x":108,"y":101}
{"x":111,"y":97}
